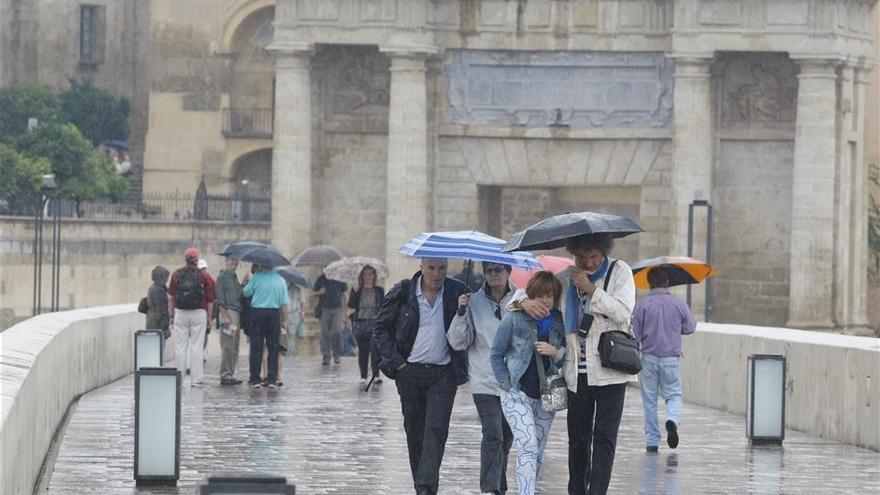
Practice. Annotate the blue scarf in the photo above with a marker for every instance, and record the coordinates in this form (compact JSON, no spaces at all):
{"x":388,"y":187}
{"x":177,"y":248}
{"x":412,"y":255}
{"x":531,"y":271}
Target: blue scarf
{"x":544,"y":325}
{"x":573,"y":310}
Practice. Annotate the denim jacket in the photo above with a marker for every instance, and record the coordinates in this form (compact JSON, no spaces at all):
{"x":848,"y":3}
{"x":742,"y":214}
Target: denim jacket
{"x":513,"y":348}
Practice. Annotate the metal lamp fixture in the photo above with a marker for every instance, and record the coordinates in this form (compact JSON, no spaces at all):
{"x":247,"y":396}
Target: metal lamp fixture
{"x":149,"y":347}
{"x":257,"y":484}
{"x":156,"y":426}
{"x":765,"y":410}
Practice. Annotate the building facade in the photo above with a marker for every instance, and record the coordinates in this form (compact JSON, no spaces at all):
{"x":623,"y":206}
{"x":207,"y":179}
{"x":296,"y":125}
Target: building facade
{"x":368,"y":121}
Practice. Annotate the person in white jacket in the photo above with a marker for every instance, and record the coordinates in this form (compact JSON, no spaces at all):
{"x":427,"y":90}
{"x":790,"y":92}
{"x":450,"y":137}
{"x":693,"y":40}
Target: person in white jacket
{"x":473,"y":330}
{"x":596,"y":394}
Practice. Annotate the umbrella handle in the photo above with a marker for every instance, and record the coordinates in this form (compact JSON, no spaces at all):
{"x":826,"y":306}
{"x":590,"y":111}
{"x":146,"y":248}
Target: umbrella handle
{"x":470,"y":267}
{"x":369,"y":384}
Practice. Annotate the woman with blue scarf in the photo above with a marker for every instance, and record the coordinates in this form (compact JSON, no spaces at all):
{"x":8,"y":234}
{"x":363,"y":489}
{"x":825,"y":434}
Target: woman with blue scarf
{"x":516,"y":369}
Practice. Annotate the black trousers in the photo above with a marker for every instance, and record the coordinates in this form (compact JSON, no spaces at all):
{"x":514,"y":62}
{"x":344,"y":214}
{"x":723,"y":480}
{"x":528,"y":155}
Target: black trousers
{"x":426,"y":397}
{"x":266,"y":330}
{"x":367,"y":351}
{"x":593,"y":420}
{"x":495,"y":446}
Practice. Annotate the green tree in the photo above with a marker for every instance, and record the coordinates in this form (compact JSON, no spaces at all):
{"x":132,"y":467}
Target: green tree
{"x":97,"y":114}
{"x":21,"y":174}
{"x":19,"y":103}
{"x":81,"y":172}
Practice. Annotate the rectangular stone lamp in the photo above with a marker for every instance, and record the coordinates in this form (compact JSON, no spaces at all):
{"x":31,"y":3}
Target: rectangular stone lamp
{"x":765,"y":410}
{"x":247,"y":484}
{"x":156,"y":426}
{"x":149,"y":346}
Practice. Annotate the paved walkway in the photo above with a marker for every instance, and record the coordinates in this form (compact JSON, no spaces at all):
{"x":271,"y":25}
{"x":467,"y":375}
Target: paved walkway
{"x":327,"y":436}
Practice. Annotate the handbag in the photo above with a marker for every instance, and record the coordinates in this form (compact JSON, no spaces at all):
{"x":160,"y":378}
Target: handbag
{"x":143,"y":306}
{"x":554,"y":392}
{"x":620,"y":351}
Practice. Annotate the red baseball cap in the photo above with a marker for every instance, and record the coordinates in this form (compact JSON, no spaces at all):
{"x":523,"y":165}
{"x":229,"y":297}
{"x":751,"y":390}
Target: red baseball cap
{"x":191,"y":253}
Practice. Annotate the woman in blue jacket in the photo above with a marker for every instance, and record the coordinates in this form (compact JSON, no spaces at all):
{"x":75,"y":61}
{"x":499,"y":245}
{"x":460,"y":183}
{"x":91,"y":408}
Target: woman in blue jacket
{"x":516,"y":369}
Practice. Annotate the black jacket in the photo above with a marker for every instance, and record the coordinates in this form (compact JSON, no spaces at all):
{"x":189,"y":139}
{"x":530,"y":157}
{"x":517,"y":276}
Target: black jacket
{"x":398,"y":323}
{"x":354,"y":300}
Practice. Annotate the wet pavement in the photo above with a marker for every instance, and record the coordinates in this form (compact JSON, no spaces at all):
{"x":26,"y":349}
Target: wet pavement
{"x":328,"y":436}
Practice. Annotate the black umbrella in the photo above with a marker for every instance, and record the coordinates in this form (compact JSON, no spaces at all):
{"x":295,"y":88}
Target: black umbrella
{"x":320,"y":255}
{"x":237,"y":249}
{"x":293,"y":276}
{"x":265,"y":256}
{"x":555,"y":231}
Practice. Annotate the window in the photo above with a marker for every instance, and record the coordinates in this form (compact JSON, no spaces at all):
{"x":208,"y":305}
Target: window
{"x":91,"y":35}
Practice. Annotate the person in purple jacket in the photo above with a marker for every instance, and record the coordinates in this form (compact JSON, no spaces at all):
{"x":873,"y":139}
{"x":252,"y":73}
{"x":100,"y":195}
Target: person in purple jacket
{"x":659,"y":321}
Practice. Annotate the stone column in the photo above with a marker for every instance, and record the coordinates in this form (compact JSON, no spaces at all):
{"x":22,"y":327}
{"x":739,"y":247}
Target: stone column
{"x":691,"y":158}
{"x":811,"y":292}
{"x":408,"y":191}
{"x":292,"y":153}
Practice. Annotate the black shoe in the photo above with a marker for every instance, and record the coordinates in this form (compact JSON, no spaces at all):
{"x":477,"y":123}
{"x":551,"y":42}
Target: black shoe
{"x":230,"y":381}
{"x":325,"y":362}
{"x":252,"y":384}
{"x":651,"y":448}
{"x":671,"y":434}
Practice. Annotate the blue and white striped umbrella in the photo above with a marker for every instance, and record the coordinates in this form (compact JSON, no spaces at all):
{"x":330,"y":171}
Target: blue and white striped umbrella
{"x":466,"y":245}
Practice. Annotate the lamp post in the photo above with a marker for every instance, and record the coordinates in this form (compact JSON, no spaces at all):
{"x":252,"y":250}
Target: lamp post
{"x":46,"y":192}
{"x":156,"y":426}
{"x":148,"y":349}
{"x":765,"y":408}
{"x":701,"y":203}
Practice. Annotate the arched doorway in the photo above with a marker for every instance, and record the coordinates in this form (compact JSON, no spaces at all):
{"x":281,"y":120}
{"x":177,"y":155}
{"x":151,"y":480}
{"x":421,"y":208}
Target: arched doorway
{"x":253,"y":78}
{"x":252,"y":174}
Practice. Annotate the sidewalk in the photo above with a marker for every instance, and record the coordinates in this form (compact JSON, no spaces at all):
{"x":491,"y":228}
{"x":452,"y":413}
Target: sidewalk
{"x":327,"y":436}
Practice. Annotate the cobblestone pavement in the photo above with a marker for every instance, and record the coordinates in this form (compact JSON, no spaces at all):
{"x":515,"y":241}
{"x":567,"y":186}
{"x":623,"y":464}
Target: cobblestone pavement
{"x":327,"y":436}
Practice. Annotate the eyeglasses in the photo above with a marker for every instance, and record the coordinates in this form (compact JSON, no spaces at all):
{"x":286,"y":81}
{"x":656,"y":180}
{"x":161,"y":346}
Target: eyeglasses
{"x":498,"y":311}
{"x":489,"y":271}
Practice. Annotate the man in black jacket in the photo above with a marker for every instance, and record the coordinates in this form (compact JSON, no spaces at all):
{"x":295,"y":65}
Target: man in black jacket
{"x":410,"y":333}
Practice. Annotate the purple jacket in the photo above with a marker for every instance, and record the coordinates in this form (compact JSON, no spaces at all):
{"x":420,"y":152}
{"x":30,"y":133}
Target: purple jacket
{"x":659,"y":321}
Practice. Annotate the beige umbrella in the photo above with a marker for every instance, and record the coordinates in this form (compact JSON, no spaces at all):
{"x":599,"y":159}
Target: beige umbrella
{"x":348,"y":269}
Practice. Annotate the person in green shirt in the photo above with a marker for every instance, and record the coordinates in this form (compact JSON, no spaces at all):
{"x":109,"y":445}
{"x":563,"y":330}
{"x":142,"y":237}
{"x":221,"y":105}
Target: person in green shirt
{"x":229,"y":303}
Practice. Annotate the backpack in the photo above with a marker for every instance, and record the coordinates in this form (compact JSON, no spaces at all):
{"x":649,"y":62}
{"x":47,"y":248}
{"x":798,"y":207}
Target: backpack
{"x":188,"y":294}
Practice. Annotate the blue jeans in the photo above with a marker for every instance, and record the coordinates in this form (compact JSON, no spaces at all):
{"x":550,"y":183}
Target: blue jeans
{"x":660,"y":372}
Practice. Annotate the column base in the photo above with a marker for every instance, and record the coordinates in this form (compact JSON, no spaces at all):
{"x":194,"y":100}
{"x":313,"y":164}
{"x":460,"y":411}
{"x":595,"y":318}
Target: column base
{"x":860,"y":331}
{"x":816,"y":325}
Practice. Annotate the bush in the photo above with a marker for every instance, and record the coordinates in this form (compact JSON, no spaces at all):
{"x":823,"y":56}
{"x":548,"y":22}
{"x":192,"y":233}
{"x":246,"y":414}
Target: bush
{"x":95,"y":112}
{"x":21,"y":174}
{"x":20,"y":103}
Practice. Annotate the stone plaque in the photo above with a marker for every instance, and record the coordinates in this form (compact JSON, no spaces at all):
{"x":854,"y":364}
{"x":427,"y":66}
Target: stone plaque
{"x":567,"y":89}
{"x":758,"y":89}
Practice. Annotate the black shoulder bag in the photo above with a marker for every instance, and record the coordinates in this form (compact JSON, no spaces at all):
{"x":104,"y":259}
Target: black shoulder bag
{"x":619,"y":350}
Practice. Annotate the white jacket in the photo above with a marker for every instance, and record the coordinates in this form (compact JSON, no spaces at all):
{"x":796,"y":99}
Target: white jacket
{"x":616,"y":305}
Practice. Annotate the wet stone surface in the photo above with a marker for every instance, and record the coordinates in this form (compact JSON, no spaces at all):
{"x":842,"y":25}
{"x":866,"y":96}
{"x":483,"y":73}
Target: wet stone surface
{"x":327,"y":436}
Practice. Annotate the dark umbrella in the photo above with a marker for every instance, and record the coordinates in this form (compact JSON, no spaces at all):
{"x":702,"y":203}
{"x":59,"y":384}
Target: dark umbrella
{"x":555,"y":231}
{"x":320,"y":255}
{"x":237,"y":249}
{"x":293,"y":276}
{"x":265,"y":256}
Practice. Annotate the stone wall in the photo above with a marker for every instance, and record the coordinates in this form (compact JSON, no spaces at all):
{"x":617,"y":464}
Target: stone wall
{"x":104,"y":262}
{"x":831,"y":388}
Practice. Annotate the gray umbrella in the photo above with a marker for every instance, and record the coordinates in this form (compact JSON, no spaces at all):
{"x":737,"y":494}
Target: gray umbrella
{"x":555,"y":231}
{"x":320,"y":255}
{"x":265,"y":255}
{"x":237,"y":249}
{"x":293,"y":276}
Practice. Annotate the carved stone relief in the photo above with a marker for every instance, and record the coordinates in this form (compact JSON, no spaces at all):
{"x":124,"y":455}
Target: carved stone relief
{"x":570,"y":89}
{"x":757,"y":89}
{"x":355,"y":82}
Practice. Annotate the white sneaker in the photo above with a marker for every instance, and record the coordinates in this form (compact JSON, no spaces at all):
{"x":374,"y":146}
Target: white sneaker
{"x":363,"y":381}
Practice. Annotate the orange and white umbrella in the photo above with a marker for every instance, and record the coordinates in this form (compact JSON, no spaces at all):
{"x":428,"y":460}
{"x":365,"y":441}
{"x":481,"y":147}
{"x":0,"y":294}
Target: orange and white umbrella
{"x":682,"y":270}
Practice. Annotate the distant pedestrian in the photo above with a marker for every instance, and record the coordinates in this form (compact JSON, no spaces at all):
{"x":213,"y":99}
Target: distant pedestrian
{"x":157,"y":302}
{"x":516,"y":370}
{"x":229,"y":304}
{"x":295,"y":319}
{"x":659,"y":321}
{"x":213,"y":317}
{"x":190,"y":301}
{"x":363,"y":307}
{"x":410,"y":333}
{"x":473,"y":330}
{"x":269,"y":306}
{"x":331,"y":313}
{"x":472,"y":279}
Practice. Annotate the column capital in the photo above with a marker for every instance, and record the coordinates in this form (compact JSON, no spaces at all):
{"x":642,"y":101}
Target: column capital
{"x":410,"y":51}
{"x":812,"y":67}
{"x":693,"y":65}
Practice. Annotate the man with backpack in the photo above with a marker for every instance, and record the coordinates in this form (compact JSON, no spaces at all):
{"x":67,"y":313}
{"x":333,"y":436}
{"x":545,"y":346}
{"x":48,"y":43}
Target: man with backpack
{"x":190,"y":303}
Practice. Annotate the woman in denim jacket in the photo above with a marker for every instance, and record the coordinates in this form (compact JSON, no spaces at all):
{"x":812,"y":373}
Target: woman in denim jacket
{"x":516,"y":369}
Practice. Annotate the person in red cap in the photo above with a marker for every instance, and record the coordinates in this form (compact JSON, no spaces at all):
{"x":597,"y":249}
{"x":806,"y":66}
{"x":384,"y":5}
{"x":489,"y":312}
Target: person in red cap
{"x":190,"y":302}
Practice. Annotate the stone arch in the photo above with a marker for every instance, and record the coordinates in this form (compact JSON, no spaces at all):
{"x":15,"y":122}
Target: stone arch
{"x":240,"y":13}
{"x":255,"y":167}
